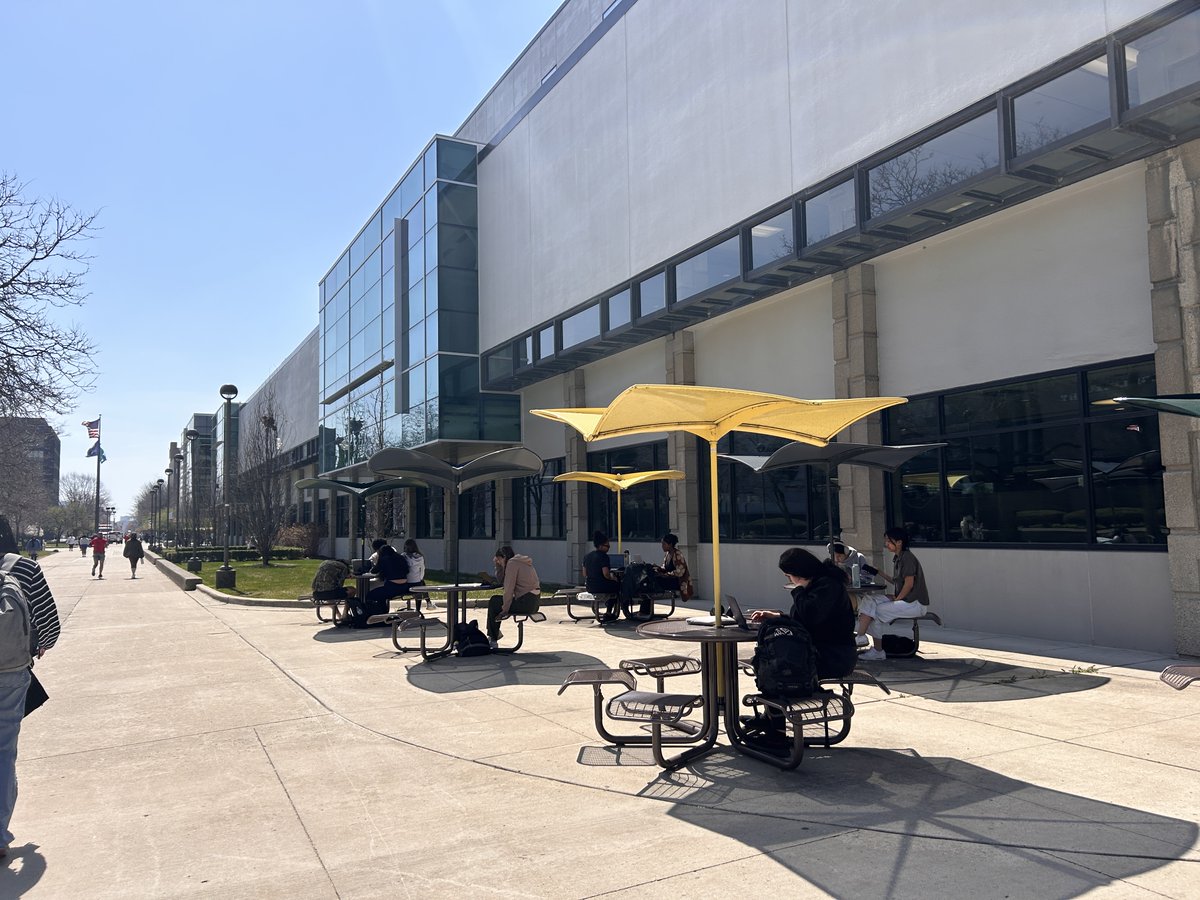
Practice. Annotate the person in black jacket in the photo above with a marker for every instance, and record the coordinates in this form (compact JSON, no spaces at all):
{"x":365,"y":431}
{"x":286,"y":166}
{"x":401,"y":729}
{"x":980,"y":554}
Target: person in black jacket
{"x":821,"y":603}
{"x":392,"y":569}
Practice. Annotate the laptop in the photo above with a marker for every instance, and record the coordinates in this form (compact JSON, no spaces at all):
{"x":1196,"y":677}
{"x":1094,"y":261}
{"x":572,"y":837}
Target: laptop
{"x":616,"y":561}
{"x":733,"y":616}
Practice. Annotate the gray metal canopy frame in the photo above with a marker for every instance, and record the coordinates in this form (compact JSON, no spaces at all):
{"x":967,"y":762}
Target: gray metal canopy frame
{"x":1179,"y":404}
{"x":359,"y":490}
{"x":511,"y":462}
{"x":888,"y":457}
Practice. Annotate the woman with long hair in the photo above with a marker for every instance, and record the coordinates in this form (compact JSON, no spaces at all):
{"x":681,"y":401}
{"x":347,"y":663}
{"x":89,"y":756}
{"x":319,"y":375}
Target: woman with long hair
{"x":908,"y":583}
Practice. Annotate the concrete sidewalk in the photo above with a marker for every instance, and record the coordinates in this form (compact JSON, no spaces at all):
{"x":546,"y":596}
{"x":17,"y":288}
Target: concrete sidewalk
{"x":192,"y":747}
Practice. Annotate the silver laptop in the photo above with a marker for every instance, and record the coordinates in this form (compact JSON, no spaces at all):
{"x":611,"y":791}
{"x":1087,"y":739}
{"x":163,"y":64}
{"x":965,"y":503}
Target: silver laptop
{"x":733,"y":616}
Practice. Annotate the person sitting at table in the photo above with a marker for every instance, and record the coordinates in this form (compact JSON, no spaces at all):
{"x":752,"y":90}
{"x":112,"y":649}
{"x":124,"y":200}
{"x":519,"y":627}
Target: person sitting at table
{"x":673,"y":574}
{"x":416,"y":570}
{"x":392,"y":569}
{"x":842,"y":554}
{"x":821,"y":603}
{"x":599,"y":581}
{"x":522,"y":590}
{"x":911,"y":593}
{"x":328,"y":583}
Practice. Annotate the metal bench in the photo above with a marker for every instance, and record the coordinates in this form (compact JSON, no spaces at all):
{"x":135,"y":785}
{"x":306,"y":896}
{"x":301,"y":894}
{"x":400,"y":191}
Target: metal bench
{"x":337,"y":608}
{"x":1180,"y":677}
{"x":632,"y":705}
{"x":903,"y":622}
{"x":831,"y":705}
{"x":572,"y":596}
{"x":520,"y":619}
{"x":404,"y":620}
{"x":660,"y":667}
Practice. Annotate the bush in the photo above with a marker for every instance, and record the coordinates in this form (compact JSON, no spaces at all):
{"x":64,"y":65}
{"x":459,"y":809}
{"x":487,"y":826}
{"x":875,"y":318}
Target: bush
{"x":180,"y":555}
{"x":306,"y":537}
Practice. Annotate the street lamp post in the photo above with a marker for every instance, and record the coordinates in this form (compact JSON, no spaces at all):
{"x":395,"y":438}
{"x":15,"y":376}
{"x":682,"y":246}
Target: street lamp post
{"x":158,"y":486}
{"x":226,"y":576}
{"x":167,"y":511}
{"x":190,"y":435}
{"x":111,"y":510}
{"x":178,"y":457}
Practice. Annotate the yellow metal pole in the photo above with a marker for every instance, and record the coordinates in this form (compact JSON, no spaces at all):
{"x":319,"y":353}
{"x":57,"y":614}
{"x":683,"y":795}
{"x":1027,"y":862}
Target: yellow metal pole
{"x":716,"y":531}
{"x":618,"y":493}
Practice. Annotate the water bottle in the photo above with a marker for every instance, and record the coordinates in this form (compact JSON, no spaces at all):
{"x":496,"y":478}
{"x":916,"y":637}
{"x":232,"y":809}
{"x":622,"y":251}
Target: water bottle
{"x":855,"y":576}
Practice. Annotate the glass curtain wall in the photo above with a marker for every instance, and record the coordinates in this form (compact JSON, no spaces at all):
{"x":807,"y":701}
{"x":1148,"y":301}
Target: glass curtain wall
{"x":399,"y":321}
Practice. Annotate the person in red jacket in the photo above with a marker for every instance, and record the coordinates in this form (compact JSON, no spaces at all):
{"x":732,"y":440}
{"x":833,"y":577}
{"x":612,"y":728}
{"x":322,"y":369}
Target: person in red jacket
{"x":98,"y":544}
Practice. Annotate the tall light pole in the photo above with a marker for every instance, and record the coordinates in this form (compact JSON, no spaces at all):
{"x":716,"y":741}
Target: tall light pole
{"x":178,"y":457}
{"x":158,"y":486}
{"x":167,"y":509}
{"x":111,"y":510}
{"x":190,"y":436}
{"x":226,"y":576}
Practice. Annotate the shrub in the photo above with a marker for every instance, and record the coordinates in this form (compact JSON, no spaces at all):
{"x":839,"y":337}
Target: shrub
{"x":306,"y":537}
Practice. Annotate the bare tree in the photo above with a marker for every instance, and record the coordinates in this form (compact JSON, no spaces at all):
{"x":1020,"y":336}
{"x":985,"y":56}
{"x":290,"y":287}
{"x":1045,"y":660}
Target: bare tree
{"x":43,"y":364}
{"x":77,"y":494}
{"x":260,"y":492}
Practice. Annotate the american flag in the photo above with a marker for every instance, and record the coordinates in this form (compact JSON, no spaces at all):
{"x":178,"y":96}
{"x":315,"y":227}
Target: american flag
{"x":93,"y":428}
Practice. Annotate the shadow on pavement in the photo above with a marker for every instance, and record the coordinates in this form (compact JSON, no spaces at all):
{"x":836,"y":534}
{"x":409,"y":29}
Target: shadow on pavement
{"x":893,"y":824}
{"x":496,"y":670}
{"x":978,"y":680}
{"x":21,"y":870}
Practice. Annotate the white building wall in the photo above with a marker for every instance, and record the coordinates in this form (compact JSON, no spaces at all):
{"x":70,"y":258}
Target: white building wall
{"x":690,"y":115}
{"x":1058,"y":282}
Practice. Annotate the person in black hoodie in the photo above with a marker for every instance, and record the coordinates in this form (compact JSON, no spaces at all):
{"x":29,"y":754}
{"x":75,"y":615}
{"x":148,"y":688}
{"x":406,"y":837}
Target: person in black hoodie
{"x":821,"y":603}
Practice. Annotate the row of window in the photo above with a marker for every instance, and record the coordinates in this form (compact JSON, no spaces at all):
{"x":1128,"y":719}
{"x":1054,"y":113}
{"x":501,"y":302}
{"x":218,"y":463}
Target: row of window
{"x":1010,"y":147}
{"x":1027,"y":461}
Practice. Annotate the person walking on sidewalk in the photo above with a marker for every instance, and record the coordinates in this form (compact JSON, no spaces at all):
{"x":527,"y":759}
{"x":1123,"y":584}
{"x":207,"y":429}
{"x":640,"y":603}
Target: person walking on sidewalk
{"x":133,"y":552}
{"x":98,"y":544}
{"x":83,"y":545}
{"x":16,"y":662}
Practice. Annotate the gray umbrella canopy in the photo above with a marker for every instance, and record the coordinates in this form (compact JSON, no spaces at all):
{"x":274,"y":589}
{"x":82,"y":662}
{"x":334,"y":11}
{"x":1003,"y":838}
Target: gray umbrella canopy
{"x":1180,"y":404}
{"x":359,"y":490}
{"x":873,"y":456}
{"x":512,"y":462}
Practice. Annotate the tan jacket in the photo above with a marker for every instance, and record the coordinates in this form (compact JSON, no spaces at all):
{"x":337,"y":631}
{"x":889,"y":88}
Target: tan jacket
{"x":519,"y":578}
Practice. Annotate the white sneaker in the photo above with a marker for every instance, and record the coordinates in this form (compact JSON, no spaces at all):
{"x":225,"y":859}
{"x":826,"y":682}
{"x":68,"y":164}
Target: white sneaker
{"x":492,"y":643}
{"x":862,"y":640}
{"x":872,"y":654}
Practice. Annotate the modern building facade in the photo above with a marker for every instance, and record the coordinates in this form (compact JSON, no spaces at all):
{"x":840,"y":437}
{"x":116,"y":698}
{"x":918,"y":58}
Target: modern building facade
{"x":988,"y":210}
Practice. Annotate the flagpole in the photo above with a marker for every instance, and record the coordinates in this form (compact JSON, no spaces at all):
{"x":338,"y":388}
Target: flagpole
{"x":97,"y":529}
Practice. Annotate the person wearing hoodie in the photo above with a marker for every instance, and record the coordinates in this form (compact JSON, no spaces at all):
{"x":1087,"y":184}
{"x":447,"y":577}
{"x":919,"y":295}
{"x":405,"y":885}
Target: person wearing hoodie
{"x":522,"y":590}
{"x":133,"y":552}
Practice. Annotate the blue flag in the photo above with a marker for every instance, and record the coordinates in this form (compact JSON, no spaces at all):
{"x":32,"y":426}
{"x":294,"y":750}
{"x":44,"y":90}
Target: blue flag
{"x":96,"y":451}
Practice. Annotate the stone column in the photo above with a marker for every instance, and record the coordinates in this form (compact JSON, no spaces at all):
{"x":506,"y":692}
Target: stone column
{"x":579,"y":540}
{"x":1173,"y":215}
{"x":860,"y":494}
{"x":682,"y":454}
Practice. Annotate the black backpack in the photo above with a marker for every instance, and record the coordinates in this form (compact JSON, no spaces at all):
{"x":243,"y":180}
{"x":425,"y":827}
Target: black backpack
{"x":785,"y":660}
{"x":469,"y":640}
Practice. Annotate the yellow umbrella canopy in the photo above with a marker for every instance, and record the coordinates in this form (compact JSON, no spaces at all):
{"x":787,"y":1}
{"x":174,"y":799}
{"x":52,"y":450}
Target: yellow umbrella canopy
{"x":711,"y":413}
{"x":620,"y":482}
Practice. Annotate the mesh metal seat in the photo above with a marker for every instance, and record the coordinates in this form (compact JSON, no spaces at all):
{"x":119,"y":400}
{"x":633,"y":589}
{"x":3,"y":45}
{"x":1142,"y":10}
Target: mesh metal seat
{"x":660,"y":667}
{"x":1180,"y":677}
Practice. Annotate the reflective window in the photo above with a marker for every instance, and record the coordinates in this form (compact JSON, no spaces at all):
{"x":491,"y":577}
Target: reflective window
{"x":645,"y":509}
{"x":523,"y":351}
{"x":416,"y":262}
{"x":455,"y":246}
{"x":935,"y":166}
{"x":1012,"y":404}
{"x":457,"y":205}
{"x":1034,"y":465}
{"x":501,"y":417}
{"x":1069,"y":103}
{"x":456,"y":161}
{"x":414,"y":304}
{"x":459,"y":331}
{"x":830,"y":212}
{"x":457,"y":289}
{"x":477,"y":512}
{"x":431,"y":333}
{"x":500,"y":363}
{"x":546,"y":342}
{"x":431,"y":212}
{"x":771,"y":240}
{"x":619,"y":312}
{"x":341,"y":303}
{"x":709,"y":268}
{"x":389,"y":252}
{"x":414,"y":347}
{"x":414,"y":388}
{"x":1164,"y":60}
{"x":583,"y":326}
{"x":652,"y":294}
{"x":539,"y":509}
{"x":411,"y":189}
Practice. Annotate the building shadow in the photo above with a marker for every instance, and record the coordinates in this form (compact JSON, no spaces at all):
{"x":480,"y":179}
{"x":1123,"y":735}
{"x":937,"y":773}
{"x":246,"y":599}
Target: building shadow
{"x":882,"y":823}
{"x":453,"y":674}
{"x":972,"y":680}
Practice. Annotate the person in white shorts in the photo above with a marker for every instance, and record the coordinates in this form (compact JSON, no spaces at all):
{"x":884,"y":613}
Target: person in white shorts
{"x":911,"y":594}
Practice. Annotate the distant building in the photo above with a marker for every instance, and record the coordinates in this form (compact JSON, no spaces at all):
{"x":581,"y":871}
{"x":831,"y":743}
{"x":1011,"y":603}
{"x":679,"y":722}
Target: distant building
{"x":31,"y":451}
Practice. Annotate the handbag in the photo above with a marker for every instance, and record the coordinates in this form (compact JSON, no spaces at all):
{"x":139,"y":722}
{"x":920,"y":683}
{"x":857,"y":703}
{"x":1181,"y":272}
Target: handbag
{"x":36,"y":695}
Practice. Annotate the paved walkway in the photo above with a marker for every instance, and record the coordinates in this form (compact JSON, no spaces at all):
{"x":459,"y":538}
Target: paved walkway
{"x":196,"y":748}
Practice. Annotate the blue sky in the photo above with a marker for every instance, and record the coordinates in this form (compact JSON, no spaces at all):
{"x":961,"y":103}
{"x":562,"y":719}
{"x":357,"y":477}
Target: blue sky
{"x":232,"y":150}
